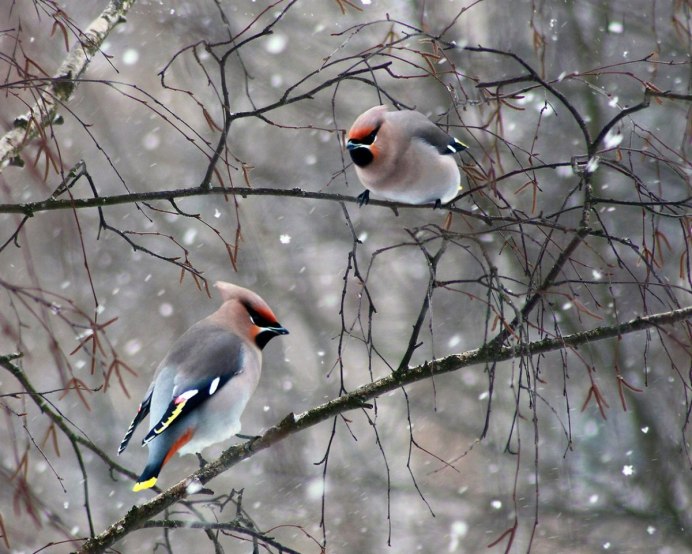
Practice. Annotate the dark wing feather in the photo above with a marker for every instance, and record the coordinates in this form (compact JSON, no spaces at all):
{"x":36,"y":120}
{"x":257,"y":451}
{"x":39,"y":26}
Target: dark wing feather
{"x":454,"y":146}
{"x":187,"y":402}
{"x":142,"y":412}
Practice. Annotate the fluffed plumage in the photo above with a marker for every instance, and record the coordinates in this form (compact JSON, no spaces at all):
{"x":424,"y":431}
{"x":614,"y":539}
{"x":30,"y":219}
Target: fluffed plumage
{"x":202,"y":386}
{"x":404,"y":157}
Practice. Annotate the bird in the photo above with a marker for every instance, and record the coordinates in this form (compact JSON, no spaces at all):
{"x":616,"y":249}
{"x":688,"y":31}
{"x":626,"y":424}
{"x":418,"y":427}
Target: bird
{"x":404,"y":157}
{"x":203,"y":384}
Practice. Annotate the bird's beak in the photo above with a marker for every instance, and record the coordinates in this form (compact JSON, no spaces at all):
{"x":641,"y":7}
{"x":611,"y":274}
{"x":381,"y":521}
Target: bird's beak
{"x":265,"y":334}
{"x":354,"y":145}
{"x":277,"y":330}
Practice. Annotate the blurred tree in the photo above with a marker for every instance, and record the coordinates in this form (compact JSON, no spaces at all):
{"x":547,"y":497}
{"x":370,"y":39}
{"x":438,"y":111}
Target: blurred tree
{"x":511,"y":371}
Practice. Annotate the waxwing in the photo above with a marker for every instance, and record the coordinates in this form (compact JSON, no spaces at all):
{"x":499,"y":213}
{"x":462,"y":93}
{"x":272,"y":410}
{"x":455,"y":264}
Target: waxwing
{"x":404,"y":157}
{"x":201,"y":387}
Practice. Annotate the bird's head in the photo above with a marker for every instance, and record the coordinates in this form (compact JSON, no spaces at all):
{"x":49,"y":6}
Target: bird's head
{"x":250,"y":313}
{"x":361,"y":140}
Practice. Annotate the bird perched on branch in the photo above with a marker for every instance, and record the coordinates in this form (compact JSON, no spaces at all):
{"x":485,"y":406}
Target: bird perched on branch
{"x":201,"y":387}
{"x":404,"y":157}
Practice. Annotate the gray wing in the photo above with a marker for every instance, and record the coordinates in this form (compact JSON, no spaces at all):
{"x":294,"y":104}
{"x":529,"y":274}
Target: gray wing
{"x":205,"y":351}
{"x":201,"y":362}
{"x":422,"y":128}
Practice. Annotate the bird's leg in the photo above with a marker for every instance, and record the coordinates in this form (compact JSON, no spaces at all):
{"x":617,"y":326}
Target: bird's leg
{"x":202,"y":461}
{"x":364,"y":197}
{"x":437,"y":205}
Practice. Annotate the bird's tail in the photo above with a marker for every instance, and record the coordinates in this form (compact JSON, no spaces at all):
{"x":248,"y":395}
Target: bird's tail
{"x":159,"y":454}
{"x":148,"y":477}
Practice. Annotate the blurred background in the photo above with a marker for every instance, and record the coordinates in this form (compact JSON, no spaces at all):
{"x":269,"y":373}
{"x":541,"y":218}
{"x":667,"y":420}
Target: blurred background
{"x":410,"y":475}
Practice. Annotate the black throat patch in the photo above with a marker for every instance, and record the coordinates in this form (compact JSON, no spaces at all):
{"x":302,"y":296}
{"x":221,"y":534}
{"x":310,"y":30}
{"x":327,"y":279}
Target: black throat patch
{"x":361,"y":156}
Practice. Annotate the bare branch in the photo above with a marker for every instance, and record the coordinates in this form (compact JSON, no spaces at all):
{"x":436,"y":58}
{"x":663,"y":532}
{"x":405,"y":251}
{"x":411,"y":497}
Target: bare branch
{"x":137,"y":516}
{"x":64,"y":81}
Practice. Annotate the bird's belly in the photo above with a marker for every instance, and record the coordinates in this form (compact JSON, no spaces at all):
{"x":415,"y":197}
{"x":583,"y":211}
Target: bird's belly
{"x":210,"y":434}
{"x":221,"y":426}
{"x":421,"y":184}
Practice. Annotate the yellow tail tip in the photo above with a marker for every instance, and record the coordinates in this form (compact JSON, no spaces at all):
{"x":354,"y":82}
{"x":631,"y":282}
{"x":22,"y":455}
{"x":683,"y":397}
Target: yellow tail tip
{"x":141,"y":485}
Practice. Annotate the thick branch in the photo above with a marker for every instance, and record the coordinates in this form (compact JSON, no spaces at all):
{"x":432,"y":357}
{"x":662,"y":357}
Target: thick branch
{"x":64,"y":82}
{"x":138,"y":516}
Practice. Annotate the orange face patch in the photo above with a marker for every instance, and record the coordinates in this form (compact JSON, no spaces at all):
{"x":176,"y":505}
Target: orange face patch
{"x":360,"y":132}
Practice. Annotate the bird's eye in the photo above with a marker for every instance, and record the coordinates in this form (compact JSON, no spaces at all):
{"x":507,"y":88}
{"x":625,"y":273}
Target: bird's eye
{"x":371,"y":137}
{"x":258,"y":319}
{"x":367,"y":140}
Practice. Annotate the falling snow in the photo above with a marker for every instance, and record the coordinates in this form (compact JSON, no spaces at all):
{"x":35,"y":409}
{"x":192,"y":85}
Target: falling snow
{"x":612,"y":139}
{"x":616,"y":27}
{"x":151,"y":141}
{"x":132,"y":347}
{"x":189,"y":236}
{"x":276,"y":43}
{"x":315,"y":489}
{"x":593,"y":164}
{"x":130,"y":56}
{"x":193,"y":486}
{"x":458,"y":530}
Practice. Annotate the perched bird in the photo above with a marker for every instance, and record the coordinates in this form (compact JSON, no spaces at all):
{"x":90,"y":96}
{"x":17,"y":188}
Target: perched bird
{"x":404,"y":157}
{"x":201,"y":387}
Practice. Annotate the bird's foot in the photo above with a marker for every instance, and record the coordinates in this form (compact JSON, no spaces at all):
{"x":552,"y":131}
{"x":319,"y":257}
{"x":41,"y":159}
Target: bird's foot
{"x":251,"y":440}
{"x":437,"y":205}
{"x":364,"y":197}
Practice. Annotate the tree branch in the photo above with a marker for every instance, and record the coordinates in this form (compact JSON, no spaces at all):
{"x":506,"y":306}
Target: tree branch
{"x":138,"y":516}
{"x":63,"y":84}
{"x":230,"y":527}
{"x":51,"y":204}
